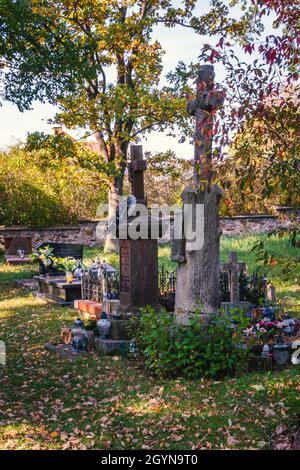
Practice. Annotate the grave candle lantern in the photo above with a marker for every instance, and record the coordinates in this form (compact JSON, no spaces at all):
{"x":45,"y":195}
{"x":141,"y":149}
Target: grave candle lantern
{"x":21,"y":253}
{"x":289,"y":327}
{"x":79,"y":336}
{"x":104,"y":325}
{"x":133,"y":349}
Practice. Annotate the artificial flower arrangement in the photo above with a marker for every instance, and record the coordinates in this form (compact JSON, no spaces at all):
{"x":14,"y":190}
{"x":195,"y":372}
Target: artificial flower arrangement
{"x":43,"y":256}
{"x":266,"y":329}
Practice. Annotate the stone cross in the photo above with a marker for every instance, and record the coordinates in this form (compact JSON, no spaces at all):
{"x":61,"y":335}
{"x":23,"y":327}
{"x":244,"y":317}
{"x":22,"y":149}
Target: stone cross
{"x":233,"y":267}
{"x":136,"y":169}
{"x":203,"y":107}
{"x":198,"y":271}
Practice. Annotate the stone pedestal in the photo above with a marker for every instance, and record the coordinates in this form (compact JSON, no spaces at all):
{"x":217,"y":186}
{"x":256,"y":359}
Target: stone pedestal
{"x":105,"y":347}
{"x":198,"y":276}
{"x":59,"y":291}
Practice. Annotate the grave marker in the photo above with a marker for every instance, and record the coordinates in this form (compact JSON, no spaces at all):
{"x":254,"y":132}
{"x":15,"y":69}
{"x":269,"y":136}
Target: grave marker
{"x":138,"y":258}
{"x":64,"y":250}
{"x":233,"y":267}
{"x":198,"y":272}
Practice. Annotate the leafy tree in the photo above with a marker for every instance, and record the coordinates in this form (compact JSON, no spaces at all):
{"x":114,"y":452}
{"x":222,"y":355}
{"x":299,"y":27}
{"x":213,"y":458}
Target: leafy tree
{"x":261,"y":170}
{"x":166,"y":177}
{"x":98,"y":61}
{"x":260,"y":123}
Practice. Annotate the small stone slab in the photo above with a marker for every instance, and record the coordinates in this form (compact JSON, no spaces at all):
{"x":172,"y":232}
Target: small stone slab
{"x":12,"y":259}
{"x":106,"y":347}
{"x":31,"y":284}
{"x":64,"y":350}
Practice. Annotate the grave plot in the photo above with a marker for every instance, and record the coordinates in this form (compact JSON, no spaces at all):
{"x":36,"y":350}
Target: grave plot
{"x":58,"y":263}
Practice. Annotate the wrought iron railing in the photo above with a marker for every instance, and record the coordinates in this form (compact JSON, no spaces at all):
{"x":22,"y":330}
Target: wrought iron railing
{"x":96,"y":282}
{"x":167,"y":288}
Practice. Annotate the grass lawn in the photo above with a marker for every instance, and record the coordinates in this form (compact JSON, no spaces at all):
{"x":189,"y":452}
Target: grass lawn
{"x":96,"y":402}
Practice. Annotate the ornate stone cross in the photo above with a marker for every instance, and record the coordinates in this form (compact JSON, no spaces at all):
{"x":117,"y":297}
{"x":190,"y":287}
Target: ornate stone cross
{"x":203,"y":107}
{"x":136,"y":169}
{"x":233,"y":267}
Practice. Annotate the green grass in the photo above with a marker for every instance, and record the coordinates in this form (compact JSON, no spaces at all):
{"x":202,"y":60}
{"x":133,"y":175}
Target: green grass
{"x":102,"y":402}
{"x":288,"y":290}
{"x":96,"y":402}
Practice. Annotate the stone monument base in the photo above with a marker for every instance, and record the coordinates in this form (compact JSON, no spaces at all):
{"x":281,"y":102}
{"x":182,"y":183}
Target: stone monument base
{"x":105,"y":347}
{"x":118,"y":330}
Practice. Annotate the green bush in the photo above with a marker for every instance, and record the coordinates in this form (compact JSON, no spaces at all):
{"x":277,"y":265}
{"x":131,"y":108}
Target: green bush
{"x":200,"y":349}
{"x":34,"y":194}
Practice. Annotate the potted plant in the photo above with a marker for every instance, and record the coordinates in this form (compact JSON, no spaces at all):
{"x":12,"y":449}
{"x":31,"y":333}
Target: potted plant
{"x":67,"y":265}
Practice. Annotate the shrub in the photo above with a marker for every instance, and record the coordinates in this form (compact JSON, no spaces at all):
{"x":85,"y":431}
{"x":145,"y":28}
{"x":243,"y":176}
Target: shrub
{"x":37,"y":195}
{"x":209,"y":348}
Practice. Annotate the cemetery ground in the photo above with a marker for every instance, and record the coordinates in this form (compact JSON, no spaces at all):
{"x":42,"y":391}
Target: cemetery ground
{"x":109,"y":402}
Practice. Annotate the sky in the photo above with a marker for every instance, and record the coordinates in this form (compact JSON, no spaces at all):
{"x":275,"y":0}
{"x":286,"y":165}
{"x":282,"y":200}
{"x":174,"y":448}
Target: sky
{"x":178,"y":43}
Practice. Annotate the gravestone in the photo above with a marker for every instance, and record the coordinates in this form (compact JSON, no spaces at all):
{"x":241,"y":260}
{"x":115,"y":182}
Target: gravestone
{"x":233,"y":267}
{"x":198,"y":272}
{"x":138,"y":258}
{"x":54,"y":286}
{"x":13,"y":247}
{"x":64,"y":250}
{"x":60,"y":250}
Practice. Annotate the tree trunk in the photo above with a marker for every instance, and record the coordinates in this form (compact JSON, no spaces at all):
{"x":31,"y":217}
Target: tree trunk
{"x":117,"y":153}
{"x":111,"y":244}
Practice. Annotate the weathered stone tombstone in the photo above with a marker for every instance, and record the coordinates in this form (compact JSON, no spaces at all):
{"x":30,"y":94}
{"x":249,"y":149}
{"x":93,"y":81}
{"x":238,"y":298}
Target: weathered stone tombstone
{"x":233,"y":267}
{"x":198,"y":273}
{"x":60,"y":250}
{"x":138,"y":257}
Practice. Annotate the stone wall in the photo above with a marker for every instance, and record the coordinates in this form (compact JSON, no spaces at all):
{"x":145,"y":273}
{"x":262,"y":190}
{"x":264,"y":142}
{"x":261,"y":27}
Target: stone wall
{"x":242,"y":224}
{"x":84,"y":231}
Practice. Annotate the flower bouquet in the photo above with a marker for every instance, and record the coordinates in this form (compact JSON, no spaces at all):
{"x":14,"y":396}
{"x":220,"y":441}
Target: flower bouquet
{"x":67,"y":265}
